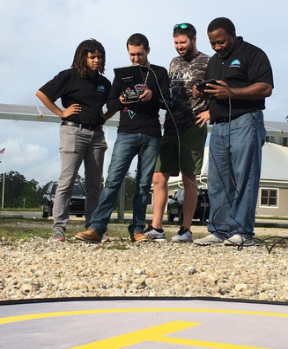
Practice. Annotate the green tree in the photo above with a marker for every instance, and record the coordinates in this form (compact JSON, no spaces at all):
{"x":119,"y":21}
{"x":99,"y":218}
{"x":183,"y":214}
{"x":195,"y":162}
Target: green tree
{"x":32,"y":194}
{"x":80,"y":180}
{"x":19,"y":191}
{"x":129,"y":191}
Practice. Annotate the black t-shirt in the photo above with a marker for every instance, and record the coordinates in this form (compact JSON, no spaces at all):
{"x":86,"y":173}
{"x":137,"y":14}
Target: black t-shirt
{"x":90,"y":93}
{"x":245,"y":65}
{"x":142,"y":117}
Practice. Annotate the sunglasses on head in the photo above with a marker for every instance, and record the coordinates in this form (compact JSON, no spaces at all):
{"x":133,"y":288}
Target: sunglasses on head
{"x":183,"y":26}
{"x":94,"y":48}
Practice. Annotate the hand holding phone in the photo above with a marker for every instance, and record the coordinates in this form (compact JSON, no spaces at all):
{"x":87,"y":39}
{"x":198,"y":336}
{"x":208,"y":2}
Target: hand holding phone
{"x":202,"y":85}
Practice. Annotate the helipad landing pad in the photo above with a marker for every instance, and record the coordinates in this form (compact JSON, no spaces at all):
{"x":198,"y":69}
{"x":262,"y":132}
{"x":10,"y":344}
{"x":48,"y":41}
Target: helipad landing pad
{"x":139,"y":324}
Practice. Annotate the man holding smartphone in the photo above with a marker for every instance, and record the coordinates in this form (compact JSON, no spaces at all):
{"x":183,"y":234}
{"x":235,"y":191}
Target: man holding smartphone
{"x":244,"y":77}
{"x":204,"y":85}
{"x":185,"y":131}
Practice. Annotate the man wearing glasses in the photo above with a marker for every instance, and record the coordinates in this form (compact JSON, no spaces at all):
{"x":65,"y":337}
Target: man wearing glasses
{"x":185,"y":132}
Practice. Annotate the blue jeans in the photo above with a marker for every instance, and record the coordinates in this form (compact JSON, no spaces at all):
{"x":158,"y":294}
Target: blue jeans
{"x":126,"y":147}
{"x":233,"y":180}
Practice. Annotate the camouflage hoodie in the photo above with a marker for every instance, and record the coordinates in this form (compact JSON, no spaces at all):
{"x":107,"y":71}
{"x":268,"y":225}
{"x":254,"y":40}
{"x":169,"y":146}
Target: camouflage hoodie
{"x":183,"y":74}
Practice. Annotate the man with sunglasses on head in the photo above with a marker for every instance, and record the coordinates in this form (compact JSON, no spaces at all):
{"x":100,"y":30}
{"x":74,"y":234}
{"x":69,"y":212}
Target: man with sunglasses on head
{"x":185,"y":131}
{"x":139,"y":134}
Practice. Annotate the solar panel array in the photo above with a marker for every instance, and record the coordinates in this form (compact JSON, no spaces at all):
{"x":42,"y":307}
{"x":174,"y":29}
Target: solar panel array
{"x":34,"y":113}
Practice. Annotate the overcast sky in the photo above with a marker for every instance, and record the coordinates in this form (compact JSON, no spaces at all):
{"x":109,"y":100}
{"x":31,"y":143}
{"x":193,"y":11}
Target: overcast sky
{"x":38,"y":39}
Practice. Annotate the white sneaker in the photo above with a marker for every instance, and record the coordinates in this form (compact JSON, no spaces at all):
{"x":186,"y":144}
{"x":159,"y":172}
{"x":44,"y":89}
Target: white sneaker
{"x":184,"y":235}
{"x":209,"y":240}
{"x":157,"y":235}
{"x":238,"y":240}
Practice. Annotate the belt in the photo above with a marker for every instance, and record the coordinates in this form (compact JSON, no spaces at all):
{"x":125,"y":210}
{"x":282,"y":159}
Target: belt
{"x":234,"y":117}
{"x":87,"y":127}
{"x":219,"y":121}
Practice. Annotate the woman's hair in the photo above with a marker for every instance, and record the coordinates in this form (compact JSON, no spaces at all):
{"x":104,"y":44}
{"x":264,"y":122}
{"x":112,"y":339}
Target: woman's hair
{"x":80,"y":57}
{"x":221,"y":22}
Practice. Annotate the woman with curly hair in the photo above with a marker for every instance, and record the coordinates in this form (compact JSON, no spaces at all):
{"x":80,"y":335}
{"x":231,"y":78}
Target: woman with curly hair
{"x":83,"y":91}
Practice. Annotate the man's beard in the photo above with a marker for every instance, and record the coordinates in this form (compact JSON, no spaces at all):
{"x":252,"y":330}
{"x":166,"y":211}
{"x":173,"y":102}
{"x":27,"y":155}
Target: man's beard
{"x":188,"y":53}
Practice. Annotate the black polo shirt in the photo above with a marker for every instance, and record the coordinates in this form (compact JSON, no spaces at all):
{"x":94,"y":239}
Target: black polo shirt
{"x":245,"y":65}
{"x":91,"y":93}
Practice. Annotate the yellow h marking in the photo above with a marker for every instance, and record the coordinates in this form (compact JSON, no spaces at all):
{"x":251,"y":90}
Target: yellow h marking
{"x":156,"y":334}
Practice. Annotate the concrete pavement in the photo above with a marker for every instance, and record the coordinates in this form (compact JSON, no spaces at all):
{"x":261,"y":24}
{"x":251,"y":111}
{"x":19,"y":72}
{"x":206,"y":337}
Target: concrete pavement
{"x":260,"y":222}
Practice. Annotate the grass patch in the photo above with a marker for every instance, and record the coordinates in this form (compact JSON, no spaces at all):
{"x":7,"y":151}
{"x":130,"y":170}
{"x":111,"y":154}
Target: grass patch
{"x":273,"y":218}
{"x":15,"y":229}
{"x":13,"y":234}
{"x":35,"y":209}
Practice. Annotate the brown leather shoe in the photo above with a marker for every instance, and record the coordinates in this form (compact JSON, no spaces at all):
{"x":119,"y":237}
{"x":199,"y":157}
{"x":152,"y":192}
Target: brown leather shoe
{"x":139,"y":237}
{"x":88,"y":235}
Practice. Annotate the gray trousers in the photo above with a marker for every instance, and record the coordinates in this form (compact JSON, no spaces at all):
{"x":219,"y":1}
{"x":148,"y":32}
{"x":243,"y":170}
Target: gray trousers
{"x":76,"y":145}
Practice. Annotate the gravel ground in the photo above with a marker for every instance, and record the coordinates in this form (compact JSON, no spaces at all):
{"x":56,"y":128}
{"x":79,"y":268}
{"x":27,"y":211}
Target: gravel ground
{"x":41,"y":268}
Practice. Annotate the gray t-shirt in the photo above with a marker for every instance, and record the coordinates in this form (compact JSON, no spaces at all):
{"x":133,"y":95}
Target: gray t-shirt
{"x":183,"y":74}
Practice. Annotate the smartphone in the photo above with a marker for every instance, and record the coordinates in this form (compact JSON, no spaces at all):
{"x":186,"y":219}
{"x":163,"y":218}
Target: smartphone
{"x":202,"y":84}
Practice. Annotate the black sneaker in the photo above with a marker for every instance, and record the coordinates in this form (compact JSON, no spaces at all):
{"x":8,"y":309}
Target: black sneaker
{"x":184,"y":235}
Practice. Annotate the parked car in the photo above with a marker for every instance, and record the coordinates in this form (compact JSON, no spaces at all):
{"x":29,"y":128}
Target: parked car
{"x":77,"y":201}
{"x":175,"y":206}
